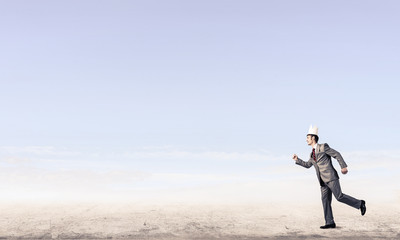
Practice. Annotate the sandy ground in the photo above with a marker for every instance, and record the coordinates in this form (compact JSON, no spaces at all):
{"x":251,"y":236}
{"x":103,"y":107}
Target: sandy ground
{"x":194,"y":221}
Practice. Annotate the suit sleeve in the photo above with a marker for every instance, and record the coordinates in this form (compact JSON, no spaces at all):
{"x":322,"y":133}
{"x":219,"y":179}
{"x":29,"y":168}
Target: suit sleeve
{"x":303,"y":163}
{"x":335,"y":154}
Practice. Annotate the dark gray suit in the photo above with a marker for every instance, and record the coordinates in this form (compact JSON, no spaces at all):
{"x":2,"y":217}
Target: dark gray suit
{"x":329,"y":178}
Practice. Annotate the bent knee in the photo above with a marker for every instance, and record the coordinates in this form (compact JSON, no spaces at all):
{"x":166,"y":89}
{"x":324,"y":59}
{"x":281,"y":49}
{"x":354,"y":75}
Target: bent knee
{"x":340,"y":197}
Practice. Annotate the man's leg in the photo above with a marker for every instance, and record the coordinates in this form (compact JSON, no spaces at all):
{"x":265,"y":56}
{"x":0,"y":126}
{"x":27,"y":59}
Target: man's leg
{"x":341,"y":197}
{"x":326,"y":197}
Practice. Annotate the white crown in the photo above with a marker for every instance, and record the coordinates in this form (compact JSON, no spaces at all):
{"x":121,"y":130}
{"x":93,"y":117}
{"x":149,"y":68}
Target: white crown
{"x":313,"y":130}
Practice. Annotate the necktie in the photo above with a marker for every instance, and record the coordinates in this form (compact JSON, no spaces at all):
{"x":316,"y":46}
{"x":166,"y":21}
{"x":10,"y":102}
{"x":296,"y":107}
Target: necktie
{"x":313,"y":154}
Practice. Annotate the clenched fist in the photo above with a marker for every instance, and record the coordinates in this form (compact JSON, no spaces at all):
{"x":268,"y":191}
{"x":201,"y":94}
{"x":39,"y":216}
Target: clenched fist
{"x":295,"y":157}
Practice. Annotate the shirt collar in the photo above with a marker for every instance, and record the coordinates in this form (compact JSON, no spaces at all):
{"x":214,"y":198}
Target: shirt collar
{"x":315,"y":146}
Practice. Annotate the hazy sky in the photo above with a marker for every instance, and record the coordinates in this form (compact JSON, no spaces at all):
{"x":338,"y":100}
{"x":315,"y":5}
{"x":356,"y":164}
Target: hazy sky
{"x":168,"y":94}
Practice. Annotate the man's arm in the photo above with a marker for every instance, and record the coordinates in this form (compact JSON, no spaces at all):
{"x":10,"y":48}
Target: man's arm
{"x":335,"y":154}
{"x":301,"y":162}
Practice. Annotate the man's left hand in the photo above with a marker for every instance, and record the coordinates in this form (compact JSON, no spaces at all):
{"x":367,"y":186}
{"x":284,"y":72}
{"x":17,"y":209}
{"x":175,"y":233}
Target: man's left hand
{"x":344,"y":170}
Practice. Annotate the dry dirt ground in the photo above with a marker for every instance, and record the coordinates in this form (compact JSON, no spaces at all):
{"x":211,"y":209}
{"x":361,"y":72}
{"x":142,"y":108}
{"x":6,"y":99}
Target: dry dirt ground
{"x":194,"y":221}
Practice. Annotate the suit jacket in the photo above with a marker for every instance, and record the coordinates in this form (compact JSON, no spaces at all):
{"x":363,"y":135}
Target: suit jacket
{"x":323,"y":164}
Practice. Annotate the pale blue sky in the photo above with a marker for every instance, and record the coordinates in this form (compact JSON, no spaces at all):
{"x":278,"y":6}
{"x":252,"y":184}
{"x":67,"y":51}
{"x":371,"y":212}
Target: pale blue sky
{"x":242,"y":77}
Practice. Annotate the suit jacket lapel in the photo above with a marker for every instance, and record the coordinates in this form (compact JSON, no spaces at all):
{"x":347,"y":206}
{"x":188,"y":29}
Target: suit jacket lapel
{"x":317,"y":151}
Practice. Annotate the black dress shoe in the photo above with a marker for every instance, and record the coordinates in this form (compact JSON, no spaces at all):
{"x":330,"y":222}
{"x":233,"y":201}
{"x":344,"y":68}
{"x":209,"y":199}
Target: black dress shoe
{"x":363,"y":208}
{"x":333,"y":225}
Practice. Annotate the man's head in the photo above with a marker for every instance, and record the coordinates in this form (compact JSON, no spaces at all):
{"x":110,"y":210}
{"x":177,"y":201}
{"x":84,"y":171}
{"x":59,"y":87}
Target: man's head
{"x":312,"y":136}
{"x":312,"y":139}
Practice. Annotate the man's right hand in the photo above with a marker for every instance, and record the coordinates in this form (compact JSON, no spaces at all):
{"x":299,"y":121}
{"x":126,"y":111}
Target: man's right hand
{"x":295,"y":157}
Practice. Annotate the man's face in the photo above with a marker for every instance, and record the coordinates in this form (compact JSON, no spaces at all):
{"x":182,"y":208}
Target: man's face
{"x":309,"y":140}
